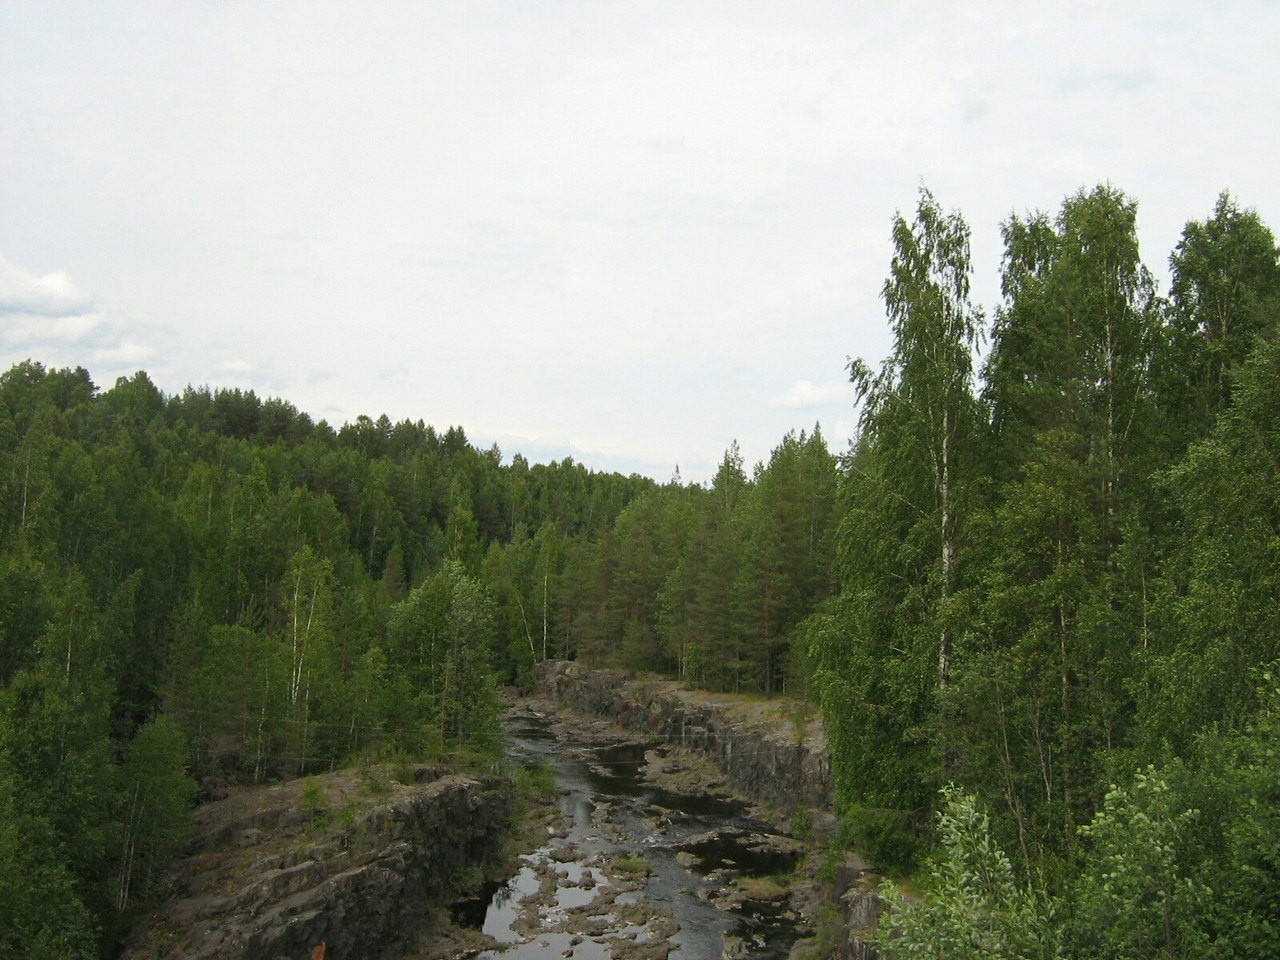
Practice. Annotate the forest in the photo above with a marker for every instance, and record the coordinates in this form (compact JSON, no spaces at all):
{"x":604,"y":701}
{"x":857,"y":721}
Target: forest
{"x":1034,"y":599}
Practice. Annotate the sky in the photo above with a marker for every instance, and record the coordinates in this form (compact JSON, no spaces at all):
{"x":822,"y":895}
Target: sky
{"x":629,"y":233}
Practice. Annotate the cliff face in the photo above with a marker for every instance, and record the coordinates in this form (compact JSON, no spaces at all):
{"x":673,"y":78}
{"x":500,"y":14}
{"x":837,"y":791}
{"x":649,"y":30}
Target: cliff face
{"x":769,"y":754}
{"x":778,"y":759}
{"x":351,"y":860}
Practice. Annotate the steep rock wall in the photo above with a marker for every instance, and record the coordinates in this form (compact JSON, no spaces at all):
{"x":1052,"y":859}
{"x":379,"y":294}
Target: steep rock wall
{"x":276,"y":871}
{"x":778,"y":759}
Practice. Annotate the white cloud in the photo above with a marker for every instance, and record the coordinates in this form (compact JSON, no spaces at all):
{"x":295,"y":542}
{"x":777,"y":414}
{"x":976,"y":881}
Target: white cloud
{"x":47,"y":312}
{"x":23,"y":329}
{"x":50,"y":319}
{"x":126,"y":353}
{"x":51,"y":295}
{"x":805,"y":395}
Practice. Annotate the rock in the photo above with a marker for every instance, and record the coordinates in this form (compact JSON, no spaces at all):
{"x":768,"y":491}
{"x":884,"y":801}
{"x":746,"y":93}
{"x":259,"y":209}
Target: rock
{"x":361,"y":882}
{"x":564,"y":854}
{"x":765,"y":757}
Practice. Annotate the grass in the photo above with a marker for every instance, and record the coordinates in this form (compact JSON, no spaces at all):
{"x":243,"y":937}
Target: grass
{"x":534,"y":783}
{"x":829,"y":929}
{"x":375,"y":779}
{"x":802,"y":825}
{"x":402,"y":769}
{"x":764,"y":889}
{"x":632,"y":865}
{"x":312,"y":794}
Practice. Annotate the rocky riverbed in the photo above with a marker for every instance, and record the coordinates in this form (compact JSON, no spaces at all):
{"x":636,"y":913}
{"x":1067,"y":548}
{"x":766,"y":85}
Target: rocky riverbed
{"x":768,"y":757}
{"x":649,"y":851}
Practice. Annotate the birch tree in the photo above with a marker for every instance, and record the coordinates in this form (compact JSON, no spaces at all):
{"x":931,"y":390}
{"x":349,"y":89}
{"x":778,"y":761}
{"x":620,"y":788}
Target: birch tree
{"x":1055,"y":584}
{"x":883,"y":674}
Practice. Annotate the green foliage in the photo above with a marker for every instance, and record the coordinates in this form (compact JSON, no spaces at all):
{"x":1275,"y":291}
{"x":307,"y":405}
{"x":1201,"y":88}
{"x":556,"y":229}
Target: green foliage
{"x":440,"y":650}
{"x":42,"y":913}
{"x":375,"y":778}
{"x":157,"y":800}
{"x":312,"y":794}
{"x":974,"y":909}
{"x":1221,"y":621}
{"x":632,"y":865}
{"x":534,"y":783}
{"x":802,"y":825}
{"x":1225,"y":298}
{"x":883,"y":663}
{"x":1234,"y":780}
{"x":538,"y":778}
{"x":1111,"y":590}
{"x":1133,"y":899}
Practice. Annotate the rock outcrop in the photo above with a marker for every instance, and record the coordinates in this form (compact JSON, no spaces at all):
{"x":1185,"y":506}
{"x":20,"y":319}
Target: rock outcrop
{"x":351,"y":860}
{"x":770,"y":755}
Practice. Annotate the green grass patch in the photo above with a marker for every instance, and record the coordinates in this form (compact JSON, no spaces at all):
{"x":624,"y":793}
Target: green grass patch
{"x":534,"y":783}
{"x":764,"y":889}
{"x":312,"y":794}
{"x":632,"y":865}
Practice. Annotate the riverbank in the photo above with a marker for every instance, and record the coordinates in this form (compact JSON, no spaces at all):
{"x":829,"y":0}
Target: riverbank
{"x":654,"y":853}
{"x":773,"y":751}
{"x":769,"y":754}
{"x":648,"y":846}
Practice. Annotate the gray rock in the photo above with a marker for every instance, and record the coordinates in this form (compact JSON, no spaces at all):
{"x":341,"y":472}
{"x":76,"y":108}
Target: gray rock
{"x":362,"y":887}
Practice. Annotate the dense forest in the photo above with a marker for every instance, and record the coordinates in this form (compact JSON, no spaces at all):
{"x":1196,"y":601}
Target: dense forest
{"x":1035,"y":599}
{"x":1050,"y":648}
{"x":210,"y":587}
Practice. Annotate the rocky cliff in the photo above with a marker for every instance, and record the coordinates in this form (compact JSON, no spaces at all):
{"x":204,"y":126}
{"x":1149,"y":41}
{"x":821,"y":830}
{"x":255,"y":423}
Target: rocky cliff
{"x":351,"y":859}
{"x":772,"y":752}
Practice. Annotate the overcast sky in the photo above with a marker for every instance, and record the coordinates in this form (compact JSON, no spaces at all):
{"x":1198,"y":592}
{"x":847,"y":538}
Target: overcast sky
{"x":624,"y":232}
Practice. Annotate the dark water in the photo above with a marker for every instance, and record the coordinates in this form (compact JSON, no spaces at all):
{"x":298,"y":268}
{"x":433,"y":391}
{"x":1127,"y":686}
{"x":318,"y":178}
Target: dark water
{"x":711,"y":836}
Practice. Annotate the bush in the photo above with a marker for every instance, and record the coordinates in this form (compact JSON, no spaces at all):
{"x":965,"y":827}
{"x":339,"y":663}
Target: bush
{"x":975,"y":908}
{"x":312,"y":794}
{"x":534,"y":782}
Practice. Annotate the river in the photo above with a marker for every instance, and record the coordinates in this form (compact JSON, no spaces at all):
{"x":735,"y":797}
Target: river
{"x":635,"y":870}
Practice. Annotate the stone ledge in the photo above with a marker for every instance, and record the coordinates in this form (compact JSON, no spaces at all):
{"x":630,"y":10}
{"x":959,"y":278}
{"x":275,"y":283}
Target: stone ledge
{"x":270,"y":875}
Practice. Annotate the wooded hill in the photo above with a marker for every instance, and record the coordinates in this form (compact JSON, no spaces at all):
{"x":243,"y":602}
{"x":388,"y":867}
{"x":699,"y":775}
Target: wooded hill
{"x":1046,"y":564}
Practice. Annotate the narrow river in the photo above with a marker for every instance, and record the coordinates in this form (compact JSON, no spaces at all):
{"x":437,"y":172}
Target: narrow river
{"x":635,"y":870}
